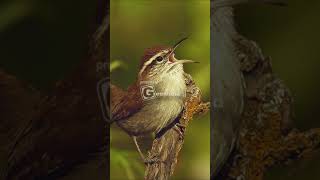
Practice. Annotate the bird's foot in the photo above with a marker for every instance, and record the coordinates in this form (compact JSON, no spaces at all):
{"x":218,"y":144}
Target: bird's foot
{"x":179,"y":128}
{"x":153,"y":160}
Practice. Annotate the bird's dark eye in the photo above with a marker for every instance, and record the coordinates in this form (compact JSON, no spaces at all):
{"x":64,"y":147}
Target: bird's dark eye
{"x":159,"y":59}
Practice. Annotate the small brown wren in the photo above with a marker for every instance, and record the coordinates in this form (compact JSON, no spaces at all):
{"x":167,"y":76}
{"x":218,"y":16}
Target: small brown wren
{"x":156,"y":98}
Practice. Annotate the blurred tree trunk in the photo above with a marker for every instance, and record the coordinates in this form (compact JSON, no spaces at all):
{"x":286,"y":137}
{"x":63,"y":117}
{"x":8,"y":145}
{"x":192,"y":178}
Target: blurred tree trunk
{"x":50,"y":135}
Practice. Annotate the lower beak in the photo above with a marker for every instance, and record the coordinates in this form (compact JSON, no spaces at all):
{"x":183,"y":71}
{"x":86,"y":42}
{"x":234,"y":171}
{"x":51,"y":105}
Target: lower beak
{"x":181,"y":62}
{"x":185,"y":61}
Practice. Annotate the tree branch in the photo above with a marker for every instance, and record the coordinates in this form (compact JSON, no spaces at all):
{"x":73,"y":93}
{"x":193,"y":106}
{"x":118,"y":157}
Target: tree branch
{"x":266,"y":137}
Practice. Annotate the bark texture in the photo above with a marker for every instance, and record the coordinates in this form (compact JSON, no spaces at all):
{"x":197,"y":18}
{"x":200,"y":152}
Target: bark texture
{"x":267,"y":137}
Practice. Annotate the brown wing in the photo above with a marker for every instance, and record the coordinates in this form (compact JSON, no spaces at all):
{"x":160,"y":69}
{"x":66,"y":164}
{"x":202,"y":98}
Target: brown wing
{"x":125,"y":103}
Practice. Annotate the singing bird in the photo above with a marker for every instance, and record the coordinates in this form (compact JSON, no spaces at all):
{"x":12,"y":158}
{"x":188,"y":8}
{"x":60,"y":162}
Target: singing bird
{"x":139,"y":110}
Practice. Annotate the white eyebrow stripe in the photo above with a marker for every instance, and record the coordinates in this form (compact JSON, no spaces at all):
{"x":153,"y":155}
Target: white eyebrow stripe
{"x":149,"y":62}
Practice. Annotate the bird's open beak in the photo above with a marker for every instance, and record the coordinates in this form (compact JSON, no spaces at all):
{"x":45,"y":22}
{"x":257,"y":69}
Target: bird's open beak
{"x":178,"y":43}
{"x":175,"y":46}
{"x":185,"y":61}
{"x":176,"y":62}
{"x":180,"y":61}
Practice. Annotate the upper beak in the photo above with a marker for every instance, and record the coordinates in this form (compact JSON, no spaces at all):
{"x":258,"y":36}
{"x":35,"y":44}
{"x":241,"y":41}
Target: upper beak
{"x":176,"y":45}
{"x":180,"y":61}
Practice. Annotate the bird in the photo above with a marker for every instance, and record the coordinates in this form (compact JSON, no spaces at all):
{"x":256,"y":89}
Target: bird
{"x":157,"y":96}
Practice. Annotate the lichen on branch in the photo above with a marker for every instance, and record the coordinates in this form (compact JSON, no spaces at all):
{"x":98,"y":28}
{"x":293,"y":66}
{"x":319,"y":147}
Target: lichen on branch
{"x":266,"y":135}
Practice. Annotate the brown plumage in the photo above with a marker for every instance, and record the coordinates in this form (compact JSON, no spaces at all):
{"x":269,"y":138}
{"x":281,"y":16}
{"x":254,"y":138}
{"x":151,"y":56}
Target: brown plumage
{"x":150,"y":52}
{"x":125,"y":103}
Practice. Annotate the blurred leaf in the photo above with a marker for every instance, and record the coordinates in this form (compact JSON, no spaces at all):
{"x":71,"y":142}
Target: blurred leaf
{"x":117,"y":64}
{"x":12,"y":12}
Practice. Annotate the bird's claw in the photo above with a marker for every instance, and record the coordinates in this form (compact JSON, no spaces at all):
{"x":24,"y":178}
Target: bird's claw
{"x":152,"y":160}
{"x":179,"y":128}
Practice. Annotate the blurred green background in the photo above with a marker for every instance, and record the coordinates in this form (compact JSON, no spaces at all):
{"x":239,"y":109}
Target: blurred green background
{"x":290,"y":35}
{"x":137,"y":25}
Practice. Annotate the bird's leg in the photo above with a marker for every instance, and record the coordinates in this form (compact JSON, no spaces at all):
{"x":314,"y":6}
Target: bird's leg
{"x":138,"y":147}
{"x":179,"y":128}
{"x":148,"y":160}
{"x":156,"y":158}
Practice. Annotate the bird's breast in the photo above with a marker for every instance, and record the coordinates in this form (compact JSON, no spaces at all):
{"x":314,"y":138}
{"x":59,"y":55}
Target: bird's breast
{"x":159,"y":111}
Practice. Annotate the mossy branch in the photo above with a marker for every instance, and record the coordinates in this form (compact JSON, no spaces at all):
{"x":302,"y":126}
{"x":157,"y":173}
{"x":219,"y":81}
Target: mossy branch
{"x":267,"y":137}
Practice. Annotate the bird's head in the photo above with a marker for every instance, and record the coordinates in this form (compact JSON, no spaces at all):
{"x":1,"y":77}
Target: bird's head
{"x":159,"y":61}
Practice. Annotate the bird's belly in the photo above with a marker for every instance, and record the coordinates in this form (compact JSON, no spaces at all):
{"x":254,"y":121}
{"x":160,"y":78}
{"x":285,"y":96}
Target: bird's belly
{"x":155,"y":115}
